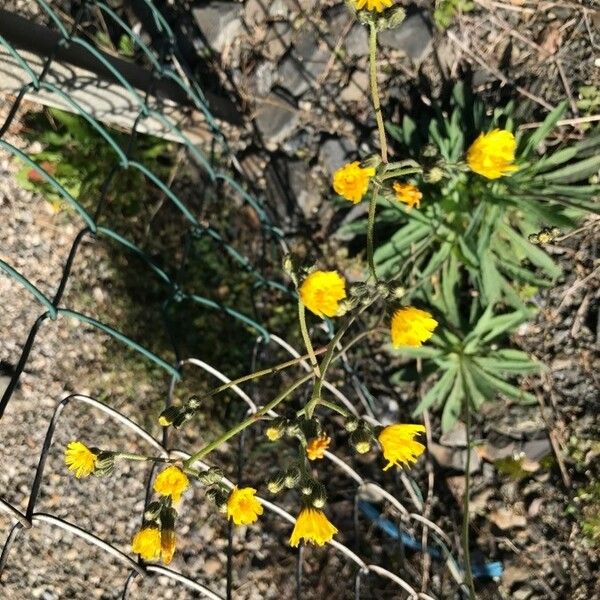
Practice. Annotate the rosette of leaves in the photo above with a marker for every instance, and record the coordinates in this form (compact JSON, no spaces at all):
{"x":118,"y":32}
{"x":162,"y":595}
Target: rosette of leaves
{"x":482,"y":227}
{"x":473,"y":367}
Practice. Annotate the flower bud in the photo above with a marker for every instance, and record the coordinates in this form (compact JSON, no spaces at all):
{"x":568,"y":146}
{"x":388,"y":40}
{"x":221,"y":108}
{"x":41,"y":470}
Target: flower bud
{"x":152,"y":511}
{"x":351,"y":424}
{"x":212,"y":476}
{"x":193,"y":403}
{"x":434,"y":175}
{"x":105,"y":464}
{"x":168,"y":415}
{"x":276,"y":429}
{"x":219,"y":496}
{"x":361,"y":439}
{"x":292,"y":477}
{"x":319,"y":495}
{"x":307,"y":486}
{"x":398,"y":292}
{"x":276,"y":483}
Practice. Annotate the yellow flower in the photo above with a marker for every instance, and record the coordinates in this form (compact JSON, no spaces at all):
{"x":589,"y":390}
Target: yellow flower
{"x":167,"y":545}
{"x":411,"y":327}
{"x":399,"y":445}
{"x":313,"y":526}
{"x":317,"y":446}
{"x":242,"y":507}
{"x":376,"y":5}
{"x":171,"y":482}
{"x":273,"y":433}
{"x":408,"y":193}
{"x":322,"y":291}
{"x":80,"y":459}
{"x":146,"y":543}
{"x":492,"y":154}
{"x":352,"y":181}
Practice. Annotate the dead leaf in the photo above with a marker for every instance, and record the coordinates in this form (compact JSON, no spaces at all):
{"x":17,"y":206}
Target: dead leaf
{"x":505,"y":518}
{"x":550,"y":38}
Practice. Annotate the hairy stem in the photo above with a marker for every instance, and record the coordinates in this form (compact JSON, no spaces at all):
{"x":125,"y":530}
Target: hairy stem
{"x":375,"y":90}
{"x":370,"y":231}
{"x":304,"y":330}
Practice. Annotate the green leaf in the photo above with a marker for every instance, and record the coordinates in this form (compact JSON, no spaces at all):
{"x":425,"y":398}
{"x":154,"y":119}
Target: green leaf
{"x":453,"y":404}
{"x":401,"y":241}
{"x":438,"y":391}
{"x":510,"y":391}
{"x":575,"y":172}
{"x":544,"y":129}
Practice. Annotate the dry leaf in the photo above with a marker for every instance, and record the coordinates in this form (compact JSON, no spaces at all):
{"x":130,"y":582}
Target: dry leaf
{"x":550,"y":38}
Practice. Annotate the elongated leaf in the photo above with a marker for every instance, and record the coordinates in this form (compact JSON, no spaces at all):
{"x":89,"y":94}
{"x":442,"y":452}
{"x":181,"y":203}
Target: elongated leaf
{"x":453,"y":404}
{"x":438,"y":392}
{"x":510,"y":391}
{"x":544,"y":129}
{"x":401,"y":241}
{"x":578,"y":171}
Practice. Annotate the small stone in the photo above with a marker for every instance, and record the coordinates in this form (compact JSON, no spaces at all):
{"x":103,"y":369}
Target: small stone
{"x":219,"y":22}
{"x":277,"y":41}
{"x":457,"y":436}
{"x":505,"y":518}
{"x":212,"y":566}
{"x":454,"y":458}
{"x":357,"y":41}
{"x":302,"y":66}
{"x":263,"y":78}
{"x":357,"y":88}
{"x":335,"y":152}
{"x":276,"y":119}
{"x":413,"y":37}
{"x":304,"y":188}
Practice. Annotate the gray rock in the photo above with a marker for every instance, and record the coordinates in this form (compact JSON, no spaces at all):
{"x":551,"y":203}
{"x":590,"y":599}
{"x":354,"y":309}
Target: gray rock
{"x":457,"y":436}
{"x":455,"y":458}
{"x":335,"y":152}
{"x":413,"y":37}
{"x":277,"y":40}
{"x":302,"y":65}
{"x":357,"y":41}
{"x":219,"y":22}
{"x":276,"y":119}
{"x":263,"y":78}
{"x":357,"y":88}
{"x":304,"y":188}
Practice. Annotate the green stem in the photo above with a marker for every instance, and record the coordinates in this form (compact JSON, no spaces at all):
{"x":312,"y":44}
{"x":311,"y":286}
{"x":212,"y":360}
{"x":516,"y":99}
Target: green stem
{"x":335,"y":407}
{"x":371,"y":231}
{"x":304,"y":330}
{"x":375,"y":91}
{"x":400,"y":173}
{"x":246,"y":423}
{"x":142,"y":458}
{"x":465,"y":523}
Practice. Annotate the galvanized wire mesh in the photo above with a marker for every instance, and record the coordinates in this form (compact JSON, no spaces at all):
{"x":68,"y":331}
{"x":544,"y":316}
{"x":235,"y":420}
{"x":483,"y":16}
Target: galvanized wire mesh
{"x":166,"y":65}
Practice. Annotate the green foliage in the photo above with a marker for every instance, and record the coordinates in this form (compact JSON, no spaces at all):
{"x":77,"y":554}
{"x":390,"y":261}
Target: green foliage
{"x":80,"y":159}
{"x":472,"y":367}
{"x":446,"y":10}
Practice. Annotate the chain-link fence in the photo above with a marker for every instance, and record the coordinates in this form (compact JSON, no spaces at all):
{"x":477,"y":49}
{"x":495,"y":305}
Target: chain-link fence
{"x":170,"y":92}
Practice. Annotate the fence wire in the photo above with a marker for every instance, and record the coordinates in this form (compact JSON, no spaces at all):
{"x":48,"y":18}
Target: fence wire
{"x":167,"y":66}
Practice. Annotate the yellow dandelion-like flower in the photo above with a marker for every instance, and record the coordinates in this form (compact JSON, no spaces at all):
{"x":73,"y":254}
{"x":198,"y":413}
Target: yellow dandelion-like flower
{"x":80,"y":459}
{"x":399,"y":446}
{"x":167,"y":545}
{"x":408,"y":194}
{"x":171,"y":482}
{"x":146,"y":543}
{"x":243,"y":508}
{"x":322,"y":291}
{"x":313,"y":526}
{"x":352,"y":181}
{"x":372,"y":5}
{"x":492,"y":154}
{"x":316,"y":447}
{"x":411,"y":327}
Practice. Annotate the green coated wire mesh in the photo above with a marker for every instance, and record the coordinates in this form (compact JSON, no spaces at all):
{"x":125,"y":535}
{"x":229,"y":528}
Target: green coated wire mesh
{"x":218,"y":179}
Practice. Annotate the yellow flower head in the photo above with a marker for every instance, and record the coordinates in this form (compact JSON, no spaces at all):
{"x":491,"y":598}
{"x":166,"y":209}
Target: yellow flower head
{"x":167,"y":545}
{"x":242,"y":507}
{"x":313,"y":526}
{"x":492,"y":154}
{"x":171,"y":482}
{"x":408,"y":193}
{"x":80,"y":459}
{"x":322,"y":291}
{"x":352,"y":181}
{"x":411,"y":327}
{"x":399,"y":445}
{"x":315,"y":449}
{"x":372,"y":5}
{"x":146,"y":543}
{"x":273,"y":433}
